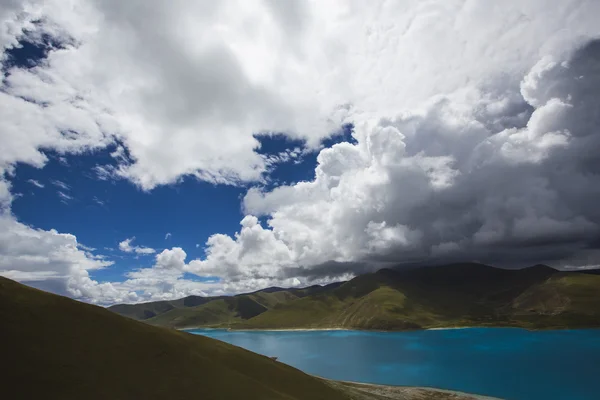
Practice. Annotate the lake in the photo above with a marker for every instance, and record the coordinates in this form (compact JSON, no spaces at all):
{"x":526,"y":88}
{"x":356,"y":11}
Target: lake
{"x":512,"y":364}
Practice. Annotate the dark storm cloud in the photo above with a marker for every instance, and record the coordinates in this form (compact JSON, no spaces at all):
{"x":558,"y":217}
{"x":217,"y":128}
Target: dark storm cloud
{"x":332,"y":269}
{"x":513,"y":210}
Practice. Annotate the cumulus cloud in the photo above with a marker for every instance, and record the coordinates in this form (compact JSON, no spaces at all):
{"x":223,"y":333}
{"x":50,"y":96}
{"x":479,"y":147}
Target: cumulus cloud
{"x":126,"y":247}
{"x":166,"y":280}
{"x":476,"y":129}
{"x":53,"y":261}
{"x":254,"y":252}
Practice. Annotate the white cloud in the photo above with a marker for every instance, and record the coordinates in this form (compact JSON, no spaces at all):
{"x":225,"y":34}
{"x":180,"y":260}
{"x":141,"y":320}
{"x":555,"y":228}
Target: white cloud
{"x":38,"y":254}
{"x":168,"y":235}
{"x":54,"y":261}
{"x":86,"y":248}
{"x":105,"y":172}
{"x":165,"y":280}
{"x":35,"y":183}
{"x":126,"y":246}
{"x":65,"y":198}
{"x":173,"y":259}
{"x":61,"y":185}
{"x":253,"y":252}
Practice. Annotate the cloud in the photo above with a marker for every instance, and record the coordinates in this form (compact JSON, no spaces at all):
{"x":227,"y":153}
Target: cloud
{"x":171,"y":259}
{"x":105,"y":172}
{"x":35,"y":183}
{"x":65,"y":198}
{"x":61,"y":185}
{"x":38,"y":254}
{"x":126,"y":246}
{"x":165,"y":280}
{"x":254,"y":252}
{"x":98,"y":201}
{"x":168,"y":235}
{"x":53,"y":261}
{"x":447,"y":183}
{"x":467,"y":146}
{"x":86,"y":248}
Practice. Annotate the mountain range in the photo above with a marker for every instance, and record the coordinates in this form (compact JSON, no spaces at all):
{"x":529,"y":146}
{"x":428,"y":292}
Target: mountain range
{"x":467,"y":294}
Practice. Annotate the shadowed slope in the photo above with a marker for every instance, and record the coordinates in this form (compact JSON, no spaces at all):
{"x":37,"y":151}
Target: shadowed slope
{"x":60,"y":348}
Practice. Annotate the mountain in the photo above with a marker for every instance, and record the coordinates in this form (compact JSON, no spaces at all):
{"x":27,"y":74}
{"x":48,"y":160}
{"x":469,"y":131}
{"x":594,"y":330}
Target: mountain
{"x":451,"y":295}
{"x":214,"y":311}
{"x":466,"y":294}
{"x":58,"y":348}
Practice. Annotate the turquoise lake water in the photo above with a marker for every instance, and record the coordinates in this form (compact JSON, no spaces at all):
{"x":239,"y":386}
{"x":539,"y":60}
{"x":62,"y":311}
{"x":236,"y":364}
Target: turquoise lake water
{"x":512,"y":364}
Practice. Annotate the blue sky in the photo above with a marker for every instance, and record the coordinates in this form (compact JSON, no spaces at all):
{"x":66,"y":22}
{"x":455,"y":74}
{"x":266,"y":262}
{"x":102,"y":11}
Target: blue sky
{"x":242,"y":145}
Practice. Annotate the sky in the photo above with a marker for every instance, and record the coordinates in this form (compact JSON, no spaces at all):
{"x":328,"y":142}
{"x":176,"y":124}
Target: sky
{"x":157,"y":149}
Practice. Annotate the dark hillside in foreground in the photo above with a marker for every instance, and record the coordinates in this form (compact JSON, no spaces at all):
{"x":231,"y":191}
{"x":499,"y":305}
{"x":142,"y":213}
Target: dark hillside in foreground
{"x":58,"y":348}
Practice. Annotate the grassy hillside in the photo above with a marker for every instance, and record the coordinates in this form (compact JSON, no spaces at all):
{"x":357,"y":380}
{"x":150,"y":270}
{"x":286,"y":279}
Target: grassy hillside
{"x":564,"y":300}
{"x":142,"y":311}
{"x":454,"y":295}
{"x":214,"y":311}
{"x":55,"y":347}
{"x":151,"y":309}
{"x":58,"y":348}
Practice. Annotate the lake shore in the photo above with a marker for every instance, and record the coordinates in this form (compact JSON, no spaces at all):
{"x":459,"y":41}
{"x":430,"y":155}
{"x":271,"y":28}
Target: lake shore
{"x":330,"y":329}
{"x":442,"y":328}
{"x":271,"y":330}
{"x":293,"y":329}
{"x":445,"y":328}
{"x":367,"y":391}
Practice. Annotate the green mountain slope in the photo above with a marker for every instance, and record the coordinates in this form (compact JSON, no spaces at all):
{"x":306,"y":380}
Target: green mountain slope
{"x":564,"y":300}
{"x":58,"y":348}
{"x":214,"y":311}
{"x":142,"y":311}
{"x":454,"y":295}
{"x":151,"y":309}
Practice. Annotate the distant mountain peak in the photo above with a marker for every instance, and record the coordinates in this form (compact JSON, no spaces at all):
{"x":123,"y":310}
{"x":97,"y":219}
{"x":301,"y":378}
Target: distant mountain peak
{"x":541,"y":267}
